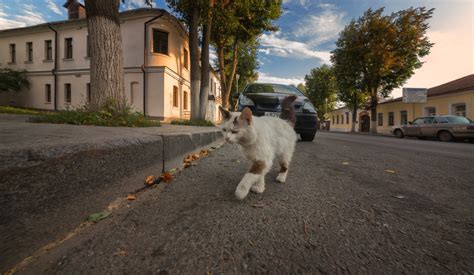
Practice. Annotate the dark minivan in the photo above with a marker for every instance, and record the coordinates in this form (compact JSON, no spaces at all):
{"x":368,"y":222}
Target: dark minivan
{"x":264,"y":99}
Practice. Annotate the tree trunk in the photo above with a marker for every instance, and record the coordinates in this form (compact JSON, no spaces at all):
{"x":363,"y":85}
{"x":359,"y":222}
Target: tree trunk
{"x":106,"y":61}
{"x":373,"y":112}
{"x":206,"y":37}
{"x":231,"y":77}
{"x":220,"y":57}
{"x":195,"y":70}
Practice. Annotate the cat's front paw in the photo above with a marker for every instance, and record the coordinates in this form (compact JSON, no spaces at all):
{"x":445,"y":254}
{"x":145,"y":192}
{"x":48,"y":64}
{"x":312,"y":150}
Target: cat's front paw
{"x":281,"y":177}
{"x":257,"y":189}
{"x":241,"y":193}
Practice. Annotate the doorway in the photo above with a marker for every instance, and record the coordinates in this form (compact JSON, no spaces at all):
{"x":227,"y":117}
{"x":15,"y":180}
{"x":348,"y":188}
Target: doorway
{"x":364,"y":123}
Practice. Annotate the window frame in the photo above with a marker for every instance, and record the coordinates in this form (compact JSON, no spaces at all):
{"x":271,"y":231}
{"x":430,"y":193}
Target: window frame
{"x":175,"y":97}
{"x":186,"y":59}
{"x":47,"y":93}
{"x":403,"y":114}
{"x":185,"y":100}
{"x":12,"y":49}
{"x":67,"y":47}
{"x":456,"y":105}
{"x":391,"y":118}
{"x":29,"y":52}
{"x":153,"y":42}
{"x":379,"y":119}
{"x":88,"y":47}
{"x":67,"y":93}
{"x":88,"y":92}
{"x":48,"y":50}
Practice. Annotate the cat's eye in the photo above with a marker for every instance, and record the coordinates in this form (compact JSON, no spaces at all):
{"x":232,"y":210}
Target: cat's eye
{"x":234,"y":132}
{"x":225,"y":130}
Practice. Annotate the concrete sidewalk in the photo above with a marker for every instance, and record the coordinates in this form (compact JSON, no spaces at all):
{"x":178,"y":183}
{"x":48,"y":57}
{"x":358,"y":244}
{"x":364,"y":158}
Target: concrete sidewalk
{"x":52,"y":176}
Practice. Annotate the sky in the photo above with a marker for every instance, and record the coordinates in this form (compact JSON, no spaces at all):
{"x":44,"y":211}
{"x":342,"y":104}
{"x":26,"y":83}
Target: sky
{"x":307,"y":33}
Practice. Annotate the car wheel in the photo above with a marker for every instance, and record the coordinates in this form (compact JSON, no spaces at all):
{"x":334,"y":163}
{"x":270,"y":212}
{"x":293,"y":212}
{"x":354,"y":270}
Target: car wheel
{"x":398,"y":133}
{"x":445,"y":136}
{"x":307,"y":137}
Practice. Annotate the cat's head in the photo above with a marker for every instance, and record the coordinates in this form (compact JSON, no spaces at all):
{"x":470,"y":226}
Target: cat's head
{"x":238,"y":127}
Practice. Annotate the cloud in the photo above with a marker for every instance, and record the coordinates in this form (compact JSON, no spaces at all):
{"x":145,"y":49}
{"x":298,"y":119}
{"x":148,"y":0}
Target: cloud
{"x":322,"y":27}
{"x":266,"y":78}
{"x":135,"y":4}
{"x":274,"y":44}
{"x":29,"y":17}
{"x":53,"y":7}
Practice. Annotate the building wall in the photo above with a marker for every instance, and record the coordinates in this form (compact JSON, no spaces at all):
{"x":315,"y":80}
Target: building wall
{"x":163,"y":71}
{"x":443,"y":104}
{"x":213,"y":114}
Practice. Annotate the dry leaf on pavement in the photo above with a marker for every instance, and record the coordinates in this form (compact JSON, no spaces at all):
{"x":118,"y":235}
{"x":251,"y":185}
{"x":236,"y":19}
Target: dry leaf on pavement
{"x":131,"y":197}
{"x":167,"y":177}
{"x":345,"y":163}
{"x":390,"y":171}
{"x":150,"y":180}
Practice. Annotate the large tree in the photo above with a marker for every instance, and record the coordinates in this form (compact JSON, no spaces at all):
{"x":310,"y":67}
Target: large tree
{"x":106,"y":61}
{"x":235,"y":24}
{"x":321,"y":89}
{"x":383,"y":51}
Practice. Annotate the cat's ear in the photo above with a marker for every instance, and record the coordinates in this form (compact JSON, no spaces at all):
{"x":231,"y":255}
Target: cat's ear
{"x":246,"y":115}
{"x":225,"y":114}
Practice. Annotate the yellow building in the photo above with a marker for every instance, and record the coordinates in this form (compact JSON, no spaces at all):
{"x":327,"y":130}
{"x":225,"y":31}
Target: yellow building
{"x":453,"y":98}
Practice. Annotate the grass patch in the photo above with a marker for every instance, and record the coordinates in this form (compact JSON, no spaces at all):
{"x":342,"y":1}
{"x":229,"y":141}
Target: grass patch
{"x":19,"y":111}
{"x":101,"y":118}
{"x":197,"y":122}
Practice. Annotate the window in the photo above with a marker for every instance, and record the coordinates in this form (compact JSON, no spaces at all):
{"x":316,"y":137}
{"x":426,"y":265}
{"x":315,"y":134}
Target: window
{"x":391,"y":119}
{"x":68,"y":48}
{"x":88,"y":92}
{"x":380,"y":119}
{"x":430,"y":111}
{"x":337,"y":119}
{"x":12,"y":53}
{"x":186,"y":59}
{"x":347,"y":117}
{"x":175,"y":96}
{"x":29,"y":51}
{"x":48,"y":50}
{"x":67,"y":93}
{"x":160,"y":42}
{"x":185,"y":100}
{"x":403,"y":117}
{"x":47,"y":93}
{"x":420,"y":120}
{"x":88,"y":47}
{"x":459,"y":109}
{"x":332,"y":119}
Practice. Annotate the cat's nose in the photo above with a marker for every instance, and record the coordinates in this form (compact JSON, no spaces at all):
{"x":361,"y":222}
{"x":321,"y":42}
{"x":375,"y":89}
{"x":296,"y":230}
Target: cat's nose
{"x":227,"y":138}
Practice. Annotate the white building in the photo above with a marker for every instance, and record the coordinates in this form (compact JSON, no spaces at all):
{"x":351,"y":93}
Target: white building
{"x":56,"y":58}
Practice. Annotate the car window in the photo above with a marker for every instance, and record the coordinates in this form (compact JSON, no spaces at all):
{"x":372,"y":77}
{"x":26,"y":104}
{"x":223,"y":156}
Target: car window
{"x":441,"y":120}
{"x":420,"y":120}
{"x":272,"y":88}
{"x":457,"y":119}
{"x":428,"y":120}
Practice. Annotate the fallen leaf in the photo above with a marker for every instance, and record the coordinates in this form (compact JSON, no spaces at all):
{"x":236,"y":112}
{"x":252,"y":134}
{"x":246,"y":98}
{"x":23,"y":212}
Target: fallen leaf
{"x":172,"y":171}
{"x":345,"y":163}
{"x":167,"y":177}
{"x":150,"y":180}
{"x":98,"y":216}
{"x":131,"y":197}
{"x":187,"y":164}
{"x":399,"y":197}
{"x":204,"y":152}
{"x":258,"y":205}
{"x":390,"y":171}
{"x":195,"y":157}
{"x":122,"y":252}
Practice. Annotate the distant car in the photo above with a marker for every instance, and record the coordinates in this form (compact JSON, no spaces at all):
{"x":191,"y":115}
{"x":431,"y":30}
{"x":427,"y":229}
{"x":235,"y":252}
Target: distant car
{"x":264,"y":99}
{"x":443,"y":127}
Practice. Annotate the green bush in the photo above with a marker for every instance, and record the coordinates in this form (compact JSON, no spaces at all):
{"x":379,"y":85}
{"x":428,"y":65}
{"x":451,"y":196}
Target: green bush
{"x":13,"y":80}
{"x":198,"y":122}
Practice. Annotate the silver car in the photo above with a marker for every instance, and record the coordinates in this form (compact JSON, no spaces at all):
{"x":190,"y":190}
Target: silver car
{"x":443,"y":127}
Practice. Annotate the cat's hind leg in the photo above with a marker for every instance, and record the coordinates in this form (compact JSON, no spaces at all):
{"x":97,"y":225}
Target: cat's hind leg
{"x":284,"y":161}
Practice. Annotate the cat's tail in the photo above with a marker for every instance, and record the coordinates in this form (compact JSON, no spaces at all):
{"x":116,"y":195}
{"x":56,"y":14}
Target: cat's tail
{"x":287,"y":110}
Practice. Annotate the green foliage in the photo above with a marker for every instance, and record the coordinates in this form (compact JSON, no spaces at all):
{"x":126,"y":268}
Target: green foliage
{"x":12,"y":80}
{"x":377,"y":53}
{"x":321,"y":89}
{"x":108,"y":116}
{"x":196,"y":122}
{"x":18,"y":111}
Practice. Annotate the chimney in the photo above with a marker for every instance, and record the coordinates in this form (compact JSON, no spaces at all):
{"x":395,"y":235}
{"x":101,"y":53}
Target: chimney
{"x":75,"y":10}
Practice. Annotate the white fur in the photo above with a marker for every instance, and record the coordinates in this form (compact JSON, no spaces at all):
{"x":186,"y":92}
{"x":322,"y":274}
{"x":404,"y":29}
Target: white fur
{"x":264,"y":139}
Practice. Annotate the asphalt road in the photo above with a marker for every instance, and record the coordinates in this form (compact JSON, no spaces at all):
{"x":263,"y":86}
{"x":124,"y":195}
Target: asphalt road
{"x":351,"y":204}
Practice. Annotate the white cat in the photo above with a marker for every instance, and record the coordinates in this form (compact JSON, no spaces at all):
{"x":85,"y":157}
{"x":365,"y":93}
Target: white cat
{"x":261,"y":140}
